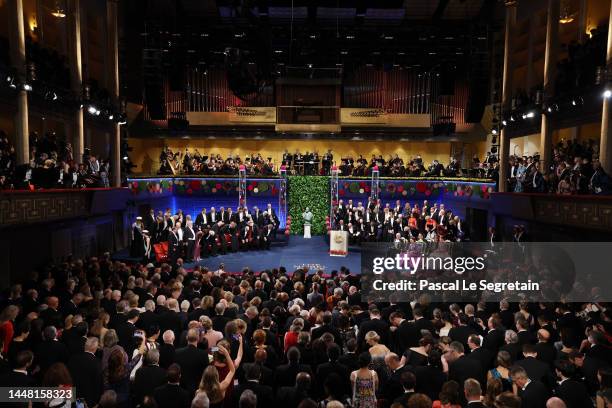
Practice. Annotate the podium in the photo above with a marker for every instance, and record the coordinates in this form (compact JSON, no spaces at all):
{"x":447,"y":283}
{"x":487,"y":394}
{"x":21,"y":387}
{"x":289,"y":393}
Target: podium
{"x":338,"y":243}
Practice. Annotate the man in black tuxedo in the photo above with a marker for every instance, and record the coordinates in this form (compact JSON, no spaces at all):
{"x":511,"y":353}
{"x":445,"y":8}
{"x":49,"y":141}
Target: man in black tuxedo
{"x":265,"y":394}
{"x":189,"y":236}
{"x":192,"y":361}
{"x":494,"y":339}
{"x":174,"y":245}
{"x":572,"y":392}
{"x":201,"y":219}
{"x":166,"y":349}
{"x":462,"y":332}
{"x":19,"y":377}
{"x":172,"y":394}
{"x":405,"y":335}
{"x":461,"y":368}
{"x":149,"y":376}
{"x":125,"y":331}
{"x":420,"y":322}
{"x":327,"y":327}
{"x":533,"y":393}
{"x":285,"y":374}
{"x":50,"y":350}
{"x":473,"y":392}
{"x":375,"y":323}
{"x":331,"y":367}
{"x":86,"y":372}
{"x":545,"y":350}
{"x":291,"y":396}
{"x":512,"y":345}
{"x":522,"y":330}
{"x":536,"y":369}
{"x":481,"y":354}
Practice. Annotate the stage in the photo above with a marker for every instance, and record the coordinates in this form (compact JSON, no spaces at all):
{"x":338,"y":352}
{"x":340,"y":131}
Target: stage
{"x":297,"y":254}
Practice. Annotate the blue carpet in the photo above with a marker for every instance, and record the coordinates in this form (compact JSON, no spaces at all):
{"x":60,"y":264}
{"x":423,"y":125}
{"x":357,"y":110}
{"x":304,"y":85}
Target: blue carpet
{"x":300,"y":252}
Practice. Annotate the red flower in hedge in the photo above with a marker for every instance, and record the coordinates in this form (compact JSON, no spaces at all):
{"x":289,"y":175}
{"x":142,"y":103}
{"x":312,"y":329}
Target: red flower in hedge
{"x":346,"y":185}
{"x":254,"y":183}
{"x":195,"y":184}
{"x":274,"y":191}
{"x":362,"y":184}
{"x":391,"y":188}
{"x":427,"y":193}
{"x":218,"y":186}
{"x":250,"y":187}
{"x":189,"y":191}
{"x":367,"y":189}
{"x":421,"y":187}
{"x":400,"y":188}
{"x":341,"y":193}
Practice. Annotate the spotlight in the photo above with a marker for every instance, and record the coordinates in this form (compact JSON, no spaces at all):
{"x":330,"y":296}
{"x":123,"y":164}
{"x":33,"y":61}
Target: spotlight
{"x":92,"y":109}
{"x":125,"y":158}
{"x":530,"y":114}
{"x":523,"y":116}
{"x":504,"y":122}
{"x":111,"y":117}
{"x":511,"y":118}
{"x":494,"y":131}
{"x":573,"y":102}
{"x":549,"y":109}
{"x":122,"y":122}
{"x":27,"y":87}
{"x":607,"y":94}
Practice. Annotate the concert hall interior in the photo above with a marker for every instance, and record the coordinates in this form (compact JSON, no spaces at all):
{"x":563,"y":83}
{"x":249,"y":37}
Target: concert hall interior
{"x":215,"y":203}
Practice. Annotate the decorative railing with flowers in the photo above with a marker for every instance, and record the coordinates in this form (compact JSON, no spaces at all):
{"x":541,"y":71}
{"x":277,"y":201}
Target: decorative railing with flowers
{"x":404,"y":189}
{"x":203,"y":187}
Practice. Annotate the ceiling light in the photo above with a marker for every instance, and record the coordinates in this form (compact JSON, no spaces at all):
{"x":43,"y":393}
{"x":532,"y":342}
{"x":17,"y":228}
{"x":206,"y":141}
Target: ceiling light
{"x":607,"y":93}
{"x":58,"y":11}
{"x":530,"y":115}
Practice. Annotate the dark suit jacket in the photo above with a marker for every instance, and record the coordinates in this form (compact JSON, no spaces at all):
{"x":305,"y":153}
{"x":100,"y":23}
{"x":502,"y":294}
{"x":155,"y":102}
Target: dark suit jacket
{"x":377,"y":325}
{"x":193,"y":361}
{"x":407,"y":335}
{"x":284,"y":375}
{"x":538,"y":371}
{"x":146,"y":380}
{"x":86,"y":372}
{"x":546,"y":353}
{"x":166,"y":355}
{"x":429,"y":381}
{"x":464,"y":368}
{"x":535,"y":395}
{"x":265,"y":394}
{"x":494,"y":340}
{"x":461,"y":334}
{"x":484,"y":356}
{"x":326,"y":328}
{"x":125,"y":332}
{"x":49,"y":352}
{"x":574,"y":394}
{"x":290,"y":397}
{"x":171,"y":396}
{"x":515,"y":350}
{"x":326,"y":369}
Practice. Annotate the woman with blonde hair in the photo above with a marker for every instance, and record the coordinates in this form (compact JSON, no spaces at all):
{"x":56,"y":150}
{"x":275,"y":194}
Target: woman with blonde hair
{"x":211,"y":335}
{"x":100,"y":326}
{"x":376,"y":350}
{"x":214,"y":389}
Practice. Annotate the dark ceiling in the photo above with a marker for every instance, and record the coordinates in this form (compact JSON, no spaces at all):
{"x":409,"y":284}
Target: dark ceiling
{"x":272,"y":35}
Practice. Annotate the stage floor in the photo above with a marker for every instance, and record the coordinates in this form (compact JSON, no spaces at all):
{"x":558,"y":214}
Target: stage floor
{"x":298,"y":253}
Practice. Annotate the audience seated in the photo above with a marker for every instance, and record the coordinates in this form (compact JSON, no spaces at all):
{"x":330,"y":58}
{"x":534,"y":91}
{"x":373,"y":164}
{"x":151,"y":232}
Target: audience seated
{"x":52,"y":165}
{"x":128,"y":335}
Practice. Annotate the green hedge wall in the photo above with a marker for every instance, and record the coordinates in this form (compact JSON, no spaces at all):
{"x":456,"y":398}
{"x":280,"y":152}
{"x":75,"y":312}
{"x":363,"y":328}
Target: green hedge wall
{"x":312,"y":192}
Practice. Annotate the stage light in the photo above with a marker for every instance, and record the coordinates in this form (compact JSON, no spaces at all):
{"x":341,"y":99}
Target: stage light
{"x":549,"y":109}
{"x":530,"y":115}
{"x":523,"y":116}
{"x":111,"y":117}
{"x":494,"y":131}
{"x":125,"y":158}
{"x":27,"y":87}
{"x":504,"y":122}
{"x":511,"y":118}
{"x":573,"y":102}
{"x":607,"y":93}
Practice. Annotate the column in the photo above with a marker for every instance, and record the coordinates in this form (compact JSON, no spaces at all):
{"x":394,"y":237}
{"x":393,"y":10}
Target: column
{"x":113,"y":85}
{"x":504,"y":139}
{"x":530,"y":41}
{"x":18,"y":61}
{"x":76,"y":72}
{"x":605,"y":144}
{"x":550,"y":63}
